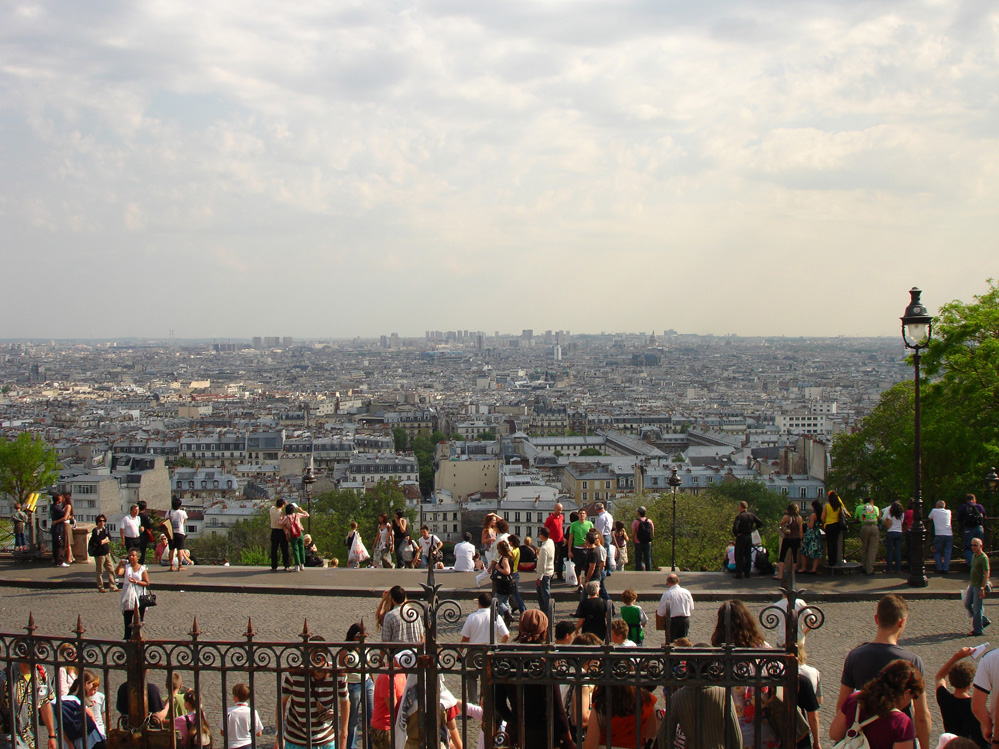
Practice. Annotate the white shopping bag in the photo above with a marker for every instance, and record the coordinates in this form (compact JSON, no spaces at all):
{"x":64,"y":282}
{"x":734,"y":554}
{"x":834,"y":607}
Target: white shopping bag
{"x":570,"y":574}
{"x":357,"y":552}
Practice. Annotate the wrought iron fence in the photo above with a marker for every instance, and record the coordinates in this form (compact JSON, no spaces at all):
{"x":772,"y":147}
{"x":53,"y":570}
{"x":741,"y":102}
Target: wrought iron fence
{"x":666,"y":697}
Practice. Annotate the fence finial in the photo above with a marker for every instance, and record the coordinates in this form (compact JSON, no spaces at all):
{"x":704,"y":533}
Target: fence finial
{"x":195,"y":632}
{"x":31,"y":623}
{"x":306,"y":634}
{"x":79,"y":626}
{"x":249,"y":633}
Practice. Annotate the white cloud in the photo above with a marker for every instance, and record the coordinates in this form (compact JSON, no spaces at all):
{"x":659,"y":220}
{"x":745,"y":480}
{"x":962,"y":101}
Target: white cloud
{"x":545,"y":154}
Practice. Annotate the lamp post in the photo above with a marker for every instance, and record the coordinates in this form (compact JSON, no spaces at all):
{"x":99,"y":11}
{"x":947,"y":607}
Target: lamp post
{"x":917,"y":327}
{"x":673,"y":481}
{"x":992,"y":483}
{"x":308,"y":479}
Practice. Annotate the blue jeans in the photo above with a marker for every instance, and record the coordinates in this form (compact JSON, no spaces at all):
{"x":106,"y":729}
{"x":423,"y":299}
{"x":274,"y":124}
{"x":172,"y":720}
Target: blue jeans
{"x":354,"y":693}
{"x":974,"y":604}
{"x":942,"y":547}
{"x":893,"y":557}
{"x":518,"y":602}
{"x":970,"y":533}
{"x":545,"y":593}
{"x":643,"y":557}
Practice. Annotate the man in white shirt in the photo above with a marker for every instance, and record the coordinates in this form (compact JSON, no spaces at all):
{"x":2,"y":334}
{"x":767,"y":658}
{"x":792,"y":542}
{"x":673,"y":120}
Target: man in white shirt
{"x":429,"y":545}
{"x":278,"y":536}
{"x":464,"y":555}
{"x":476,"y":631}
{"x":943,"y":537}
{"x":603,"y":523}
{"x":131,"y":529}
{"x":678,"y":605}
{"x":545,"y":569}
{"x":799,"y":606}
{"x":238,"y":719}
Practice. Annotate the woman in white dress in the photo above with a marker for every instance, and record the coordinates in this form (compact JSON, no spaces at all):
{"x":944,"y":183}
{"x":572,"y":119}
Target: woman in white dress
{"x":134,"y":579}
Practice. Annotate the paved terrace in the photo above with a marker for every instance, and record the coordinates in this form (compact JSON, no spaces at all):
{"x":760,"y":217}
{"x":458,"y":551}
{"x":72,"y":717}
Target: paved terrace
{"x":705,"y":586}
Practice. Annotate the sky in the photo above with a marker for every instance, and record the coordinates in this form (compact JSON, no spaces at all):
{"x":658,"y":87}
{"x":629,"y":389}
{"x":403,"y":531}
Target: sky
{"x":321,"y":169}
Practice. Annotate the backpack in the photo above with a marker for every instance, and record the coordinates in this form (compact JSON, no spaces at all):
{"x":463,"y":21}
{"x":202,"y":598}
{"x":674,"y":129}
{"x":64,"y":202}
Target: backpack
{"x":855,"y":738}
{"x":645,"y":531}
{"x":294,"y":526}
{"x":974,"y":516}
{"x":94,"y":545}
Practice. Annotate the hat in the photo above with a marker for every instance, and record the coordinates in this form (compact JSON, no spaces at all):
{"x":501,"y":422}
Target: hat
{"x":533,"y":626}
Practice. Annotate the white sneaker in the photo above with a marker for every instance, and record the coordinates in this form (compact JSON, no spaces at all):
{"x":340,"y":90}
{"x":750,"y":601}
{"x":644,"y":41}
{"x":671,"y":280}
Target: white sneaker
{"x":64,"y":565}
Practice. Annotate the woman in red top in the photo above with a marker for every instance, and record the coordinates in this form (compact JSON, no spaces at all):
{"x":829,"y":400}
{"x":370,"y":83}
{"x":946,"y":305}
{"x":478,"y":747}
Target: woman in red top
{"x":623,"y":701}
{"x":878,"y":705}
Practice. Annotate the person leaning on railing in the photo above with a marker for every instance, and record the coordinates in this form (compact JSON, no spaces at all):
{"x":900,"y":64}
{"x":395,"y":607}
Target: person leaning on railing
{"x":313,"y":712}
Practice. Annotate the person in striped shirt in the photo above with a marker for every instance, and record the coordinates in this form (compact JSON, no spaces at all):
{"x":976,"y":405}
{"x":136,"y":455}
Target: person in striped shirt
{"x":314,"y":706}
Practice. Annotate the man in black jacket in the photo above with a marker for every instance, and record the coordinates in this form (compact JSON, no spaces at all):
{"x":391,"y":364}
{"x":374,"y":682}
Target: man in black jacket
{"x":742,"y":528}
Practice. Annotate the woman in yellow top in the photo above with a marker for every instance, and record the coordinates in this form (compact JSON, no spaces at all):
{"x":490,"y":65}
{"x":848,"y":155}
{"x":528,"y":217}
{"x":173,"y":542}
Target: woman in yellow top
{"x":833,"y":515}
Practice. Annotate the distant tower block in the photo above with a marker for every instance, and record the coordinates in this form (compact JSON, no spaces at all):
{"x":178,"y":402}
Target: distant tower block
{"x":558,"y":352}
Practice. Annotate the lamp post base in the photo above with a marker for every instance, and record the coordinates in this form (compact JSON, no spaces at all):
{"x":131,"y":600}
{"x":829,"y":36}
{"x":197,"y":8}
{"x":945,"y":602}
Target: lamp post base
{"x":918,"y":580}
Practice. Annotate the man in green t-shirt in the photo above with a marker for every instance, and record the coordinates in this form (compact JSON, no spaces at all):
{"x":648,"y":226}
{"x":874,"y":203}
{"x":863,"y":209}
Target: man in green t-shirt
{"x":975,"y":594}
{"x":577,"y":534}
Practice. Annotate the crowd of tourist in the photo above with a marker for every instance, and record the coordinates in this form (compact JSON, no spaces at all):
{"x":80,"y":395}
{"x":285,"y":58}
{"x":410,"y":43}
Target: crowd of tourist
{"x":335,"y":702}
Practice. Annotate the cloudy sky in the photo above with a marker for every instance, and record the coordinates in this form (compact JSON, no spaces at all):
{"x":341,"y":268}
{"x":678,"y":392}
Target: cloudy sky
{"x":316,"y":169}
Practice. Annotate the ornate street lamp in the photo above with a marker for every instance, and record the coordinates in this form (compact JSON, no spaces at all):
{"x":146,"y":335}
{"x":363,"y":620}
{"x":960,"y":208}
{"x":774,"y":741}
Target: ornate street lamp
{"x":308,"y":479}
{"x":917,"y":327}
{"x":992,"y":483}
{"x":674,"y":481}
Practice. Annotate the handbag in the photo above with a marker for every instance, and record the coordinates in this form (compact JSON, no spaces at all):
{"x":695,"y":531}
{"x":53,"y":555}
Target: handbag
{"x":776,"y":716}
{"x":167,"y":527}
{"x":504,"y":583}
{"x":147,"y":599}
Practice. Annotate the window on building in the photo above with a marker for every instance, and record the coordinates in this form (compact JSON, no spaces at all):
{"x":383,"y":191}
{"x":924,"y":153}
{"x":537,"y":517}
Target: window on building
{"x":516,"y":517}
{"x":695,"y":479}
{"x":585,"y":484}
{"x":783,"y":490}
{"x":803,"y":493}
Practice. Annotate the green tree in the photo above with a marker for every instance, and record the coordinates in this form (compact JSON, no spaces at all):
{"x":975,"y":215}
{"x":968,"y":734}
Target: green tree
{"x":959,"y":413}
{"x":486,"y":436}
{"x":704,"y":521}
{"x":401,"y":439}
{"x":27,"y":465}
{"x":589,"y":452}
{"x":185,"y":462}
{"x":876,"y":461}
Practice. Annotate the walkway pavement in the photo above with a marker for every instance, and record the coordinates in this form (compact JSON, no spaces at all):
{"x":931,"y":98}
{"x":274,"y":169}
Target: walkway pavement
{"x":705,"y":586}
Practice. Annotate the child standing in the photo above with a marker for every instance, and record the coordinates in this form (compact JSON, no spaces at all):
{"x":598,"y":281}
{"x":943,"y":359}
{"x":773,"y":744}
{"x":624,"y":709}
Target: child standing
{"x":238,"y":719}
{"x":634,"y":616}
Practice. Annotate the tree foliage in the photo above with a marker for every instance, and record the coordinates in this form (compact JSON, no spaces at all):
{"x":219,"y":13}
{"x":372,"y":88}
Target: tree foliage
{"x":27,"y":464}
{"x":703,"y":521}
{"x":248,"y":541}
{"x":401,"y":439}
{"x":589,"y":452}
{"x":959,"y":410}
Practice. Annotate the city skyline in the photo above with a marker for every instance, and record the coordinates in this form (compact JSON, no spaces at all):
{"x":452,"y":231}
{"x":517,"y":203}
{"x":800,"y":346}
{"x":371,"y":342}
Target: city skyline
{"x":340,"y":169}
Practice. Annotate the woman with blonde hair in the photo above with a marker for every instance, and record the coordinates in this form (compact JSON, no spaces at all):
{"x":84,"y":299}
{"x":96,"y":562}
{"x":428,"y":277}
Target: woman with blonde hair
{"x":489,"y":534}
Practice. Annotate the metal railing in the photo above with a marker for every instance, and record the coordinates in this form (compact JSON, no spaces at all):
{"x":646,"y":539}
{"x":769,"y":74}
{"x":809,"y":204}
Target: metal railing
{"x":291,"y":684}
